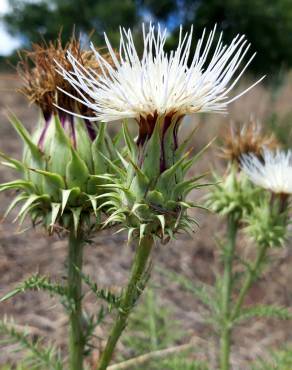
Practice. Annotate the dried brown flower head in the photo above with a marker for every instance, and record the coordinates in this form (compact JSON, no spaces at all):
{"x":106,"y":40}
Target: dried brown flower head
{"x":248,"y":138}
{"x":41,"y":81}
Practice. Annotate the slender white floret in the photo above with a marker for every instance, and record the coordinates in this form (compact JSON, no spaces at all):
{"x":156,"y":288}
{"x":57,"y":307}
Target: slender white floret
{"x":162,"y":83}
{"x":273,"y":173}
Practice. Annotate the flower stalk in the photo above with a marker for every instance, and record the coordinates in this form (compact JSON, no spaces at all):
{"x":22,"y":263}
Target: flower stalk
{"x":76,"y":337}
{"x":225,"y":340}
{"x":138,"y":278}
{"x":250,"y":278}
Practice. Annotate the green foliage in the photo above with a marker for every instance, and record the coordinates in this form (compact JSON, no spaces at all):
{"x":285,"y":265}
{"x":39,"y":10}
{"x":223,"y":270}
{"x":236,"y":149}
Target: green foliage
{"x":265,"y":311}
{"x":112,"y":299}
{"x":151,"y":329}
{"x":280,"y":360}
{"x":235,"y":194}
{"x":38,"y":356}
{"x":37,"y":282}
{"x":265,"y":224}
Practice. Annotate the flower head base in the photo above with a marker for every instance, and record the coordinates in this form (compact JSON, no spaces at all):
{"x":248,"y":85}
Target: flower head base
{"x":247,"y":139}
{"x":273,"y":172}
{"x":148,"y":199}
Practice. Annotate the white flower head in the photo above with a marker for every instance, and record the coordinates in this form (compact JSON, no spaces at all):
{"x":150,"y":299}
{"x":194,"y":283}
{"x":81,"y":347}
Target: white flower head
{"x":273,"y":172}
{"x":160,"y":83}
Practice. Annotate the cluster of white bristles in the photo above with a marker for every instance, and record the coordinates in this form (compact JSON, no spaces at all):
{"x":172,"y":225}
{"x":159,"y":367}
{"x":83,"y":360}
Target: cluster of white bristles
{"x":273,"y":172}
{"x":160,"y":82}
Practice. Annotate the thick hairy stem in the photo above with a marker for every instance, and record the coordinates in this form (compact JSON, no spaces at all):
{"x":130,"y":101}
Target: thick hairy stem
{"x":76,"y":337}
{"x":251,"y":275}
{"x":225,"y":339}
{"x":130,"y":295}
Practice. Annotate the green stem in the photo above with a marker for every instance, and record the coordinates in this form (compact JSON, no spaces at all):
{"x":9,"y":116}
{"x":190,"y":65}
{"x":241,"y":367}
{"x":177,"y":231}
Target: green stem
{"x":76,"y":338}
{"x":129,"y":298}
{"x":225,"y":340}
{"x":249,"y":280}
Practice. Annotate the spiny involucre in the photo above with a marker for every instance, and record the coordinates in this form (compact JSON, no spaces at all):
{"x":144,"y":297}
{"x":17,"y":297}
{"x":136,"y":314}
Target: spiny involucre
{"x":64,"y":157}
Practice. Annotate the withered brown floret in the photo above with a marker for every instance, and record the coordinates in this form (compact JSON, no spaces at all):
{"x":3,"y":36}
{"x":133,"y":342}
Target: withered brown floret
{"x":247,"y":138}
{"x":41,"y":80}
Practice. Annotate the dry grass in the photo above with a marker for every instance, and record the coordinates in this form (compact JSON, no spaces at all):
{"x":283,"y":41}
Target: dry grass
{"x":108,"y":260}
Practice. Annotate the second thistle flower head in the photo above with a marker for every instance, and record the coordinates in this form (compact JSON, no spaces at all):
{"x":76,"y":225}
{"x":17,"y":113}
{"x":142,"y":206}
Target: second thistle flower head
{"x":245,"y":139}
{"x":273,"y":172}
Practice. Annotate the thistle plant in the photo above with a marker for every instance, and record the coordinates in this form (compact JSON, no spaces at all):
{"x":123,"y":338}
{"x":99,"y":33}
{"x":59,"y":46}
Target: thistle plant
{"x":255,"y":163}
{"x":148,"y":196}
{"x":62,"y":168}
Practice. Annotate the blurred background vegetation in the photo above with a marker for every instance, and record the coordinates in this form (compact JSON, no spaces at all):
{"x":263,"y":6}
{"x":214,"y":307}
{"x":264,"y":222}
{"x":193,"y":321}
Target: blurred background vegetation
{"x":267,"y":24}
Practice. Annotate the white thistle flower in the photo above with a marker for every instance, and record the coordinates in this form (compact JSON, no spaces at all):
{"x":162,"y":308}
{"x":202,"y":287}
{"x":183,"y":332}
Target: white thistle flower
{"x":160,"y":83}
{"x":273,"y":173}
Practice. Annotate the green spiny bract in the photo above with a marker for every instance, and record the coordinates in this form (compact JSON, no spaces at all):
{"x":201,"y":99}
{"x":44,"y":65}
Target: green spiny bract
{"x":233,"y":194}
{"x":148,"y":196}
{"x":267,"y":222}
{"x":61,"y":172}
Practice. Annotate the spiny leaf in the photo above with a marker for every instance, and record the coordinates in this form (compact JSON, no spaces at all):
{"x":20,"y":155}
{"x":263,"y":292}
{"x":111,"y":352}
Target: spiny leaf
{"x":161,"y":219}
{"x":76,"y":217}
{"x":55,"y":211}
{"x":104,"y":294}
{"x":53,"y":182}
{"x":37,"y":282}
{"x":183,"y":146}
{"x":181,"y":188}
{"x":77,"y":173}
{"x":130,"y":233}
{"x":24,"y":134}
{"x":93,"y":202}
{"x":152,"y":155}
{"x":30,"y":200}
{"x":142,"y":230}
{"x":66,"y":194}
{"x":132,"y":147}
{"x":17,"y":184}
{"x":17,"y":164}
{"x":13,"y":204}
{"x":268,"y":311}
{"x":189,"y":163}
{"x":60,"y":148}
